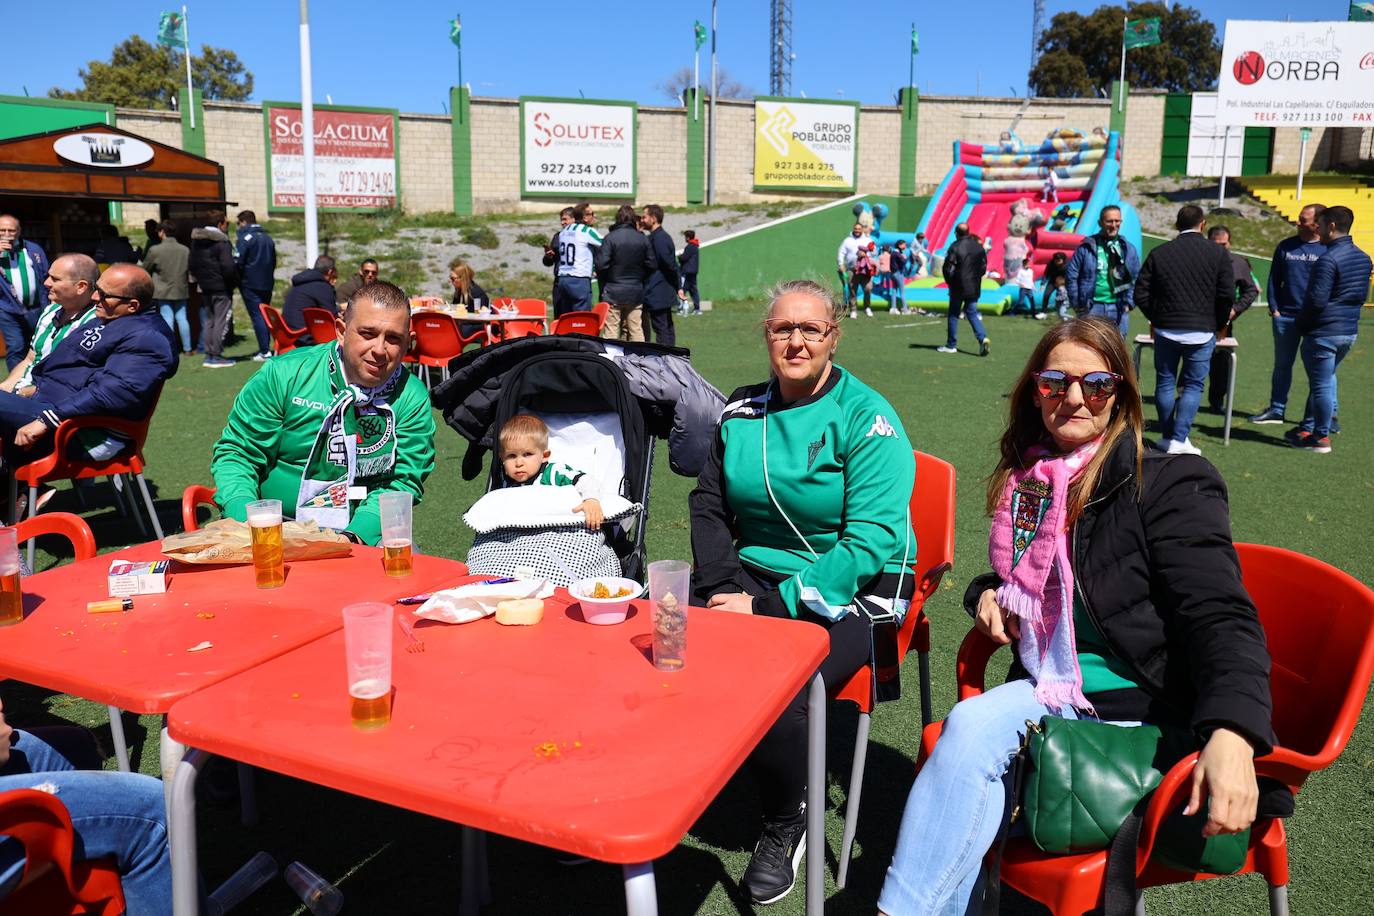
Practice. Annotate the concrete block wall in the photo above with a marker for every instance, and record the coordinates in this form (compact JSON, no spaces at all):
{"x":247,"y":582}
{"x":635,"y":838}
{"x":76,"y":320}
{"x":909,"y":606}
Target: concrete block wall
{"x":1144,"y":140}
{"x":234,"y":139}
{"x":161,"y":126}
{"x":426,"y":174}
{"x":661,"y":156}
{"x":496,"y":157}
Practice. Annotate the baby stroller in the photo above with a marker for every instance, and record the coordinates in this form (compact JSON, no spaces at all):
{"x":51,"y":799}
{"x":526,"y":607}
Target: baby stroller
{"x":606,"y":404}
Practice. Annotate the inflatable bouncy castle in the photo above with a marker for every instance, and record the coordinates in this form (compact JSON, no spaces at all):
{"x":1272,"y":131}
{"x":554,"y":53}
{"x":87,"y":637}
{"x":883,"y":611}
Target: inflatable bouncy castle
{"x":1006,"y":193}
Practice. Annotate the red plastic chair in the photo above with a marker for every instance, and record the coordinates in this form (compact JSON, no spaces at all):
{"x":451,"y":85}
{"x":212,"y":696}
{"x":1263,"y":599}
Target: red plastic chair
{"x":1319,"y":624}
{"x":284,"y":339}
{"x":602,"y":310}
{"x":57,"y":465}
{"x":577,"y":323}
{"x":192,"y":498}
{"x":54,"y":882}
{"x":437,"y":341}
{"x":534,"y":315}
{"x":319,"y":323}
{"x":932,"y":519}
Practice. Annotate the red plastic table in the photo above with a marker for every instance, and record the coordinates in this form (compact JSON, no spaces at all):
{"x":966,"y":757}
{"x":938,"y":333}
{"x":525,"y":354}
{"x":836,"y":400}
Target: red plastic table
{"x":561,"y":734}
{"x":140,"y":660}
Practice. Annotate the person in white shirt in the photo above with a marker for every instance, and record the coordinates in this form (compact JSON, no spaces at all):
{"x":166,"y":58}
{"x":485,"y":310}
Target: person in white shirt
{"x":573,"y":291}
{"x":1025,"y":295}
{"x":857,"y":240}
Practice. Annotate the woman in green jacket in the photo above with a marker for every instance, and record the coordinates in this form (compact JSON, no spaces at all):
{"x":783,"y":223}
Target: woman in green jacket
{"x":801,"y":512}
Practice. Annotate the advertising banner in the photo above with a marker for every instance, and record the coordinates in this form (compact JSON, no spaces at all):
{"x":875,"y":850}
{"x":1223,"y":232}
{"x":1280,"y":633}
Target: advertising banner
{"x":574,"y":148}
{"x":803,"y":145}
{"x":1297,"y":74}
{"x":356,"y":157}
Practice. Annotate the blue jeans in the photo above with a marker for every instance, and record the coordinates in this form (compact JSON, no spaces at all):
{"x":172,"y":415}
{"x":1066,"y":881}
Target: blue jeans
{"x":251,"y":298}
{"x":1025,"y":301}
{"x":173,"y":312}
{"x":1113,"y":311}
{"x":17,"y":411}
{"x":1176,"y":411}
{"x":958,"y":307}
{"x":959,"y":804}
{"x":1321,"y":356}
{"x":114,"y":814}
{"x":1286,"y":340}
{"x":572,"y":294}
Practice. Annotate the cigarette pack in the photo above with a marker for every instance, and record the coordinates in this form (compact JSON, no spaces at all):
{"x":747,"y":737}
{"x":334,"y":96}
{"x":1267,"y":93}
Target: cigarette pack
{"x":138,"y":578}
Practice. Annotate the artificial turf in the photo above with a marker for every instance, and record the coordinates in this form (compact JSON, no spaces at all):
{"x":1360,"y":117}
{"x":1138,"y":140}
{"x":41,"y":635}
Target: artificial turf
{"x":953,"y":406}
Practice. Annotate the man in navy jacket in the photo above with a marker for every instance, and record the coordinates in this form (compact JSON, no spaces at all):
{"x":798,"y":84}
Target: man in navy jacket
{"x":257,"y":264}
{"x":660,"y":289}
{"x":1329,"y":322}
{"x":23,"y":268}
{"x":1292,"y":265}
{"x":113,"y":366}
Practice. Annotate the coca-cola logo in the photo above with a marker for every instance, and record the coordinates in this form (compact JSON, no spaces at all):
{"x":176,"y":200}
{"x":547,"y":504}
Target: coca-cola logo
{"x":1367,"y":62}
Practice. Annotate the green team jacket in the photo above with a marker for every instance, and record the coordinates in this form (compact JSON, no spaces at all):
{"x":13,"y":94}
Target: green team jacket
{"x":273,"y":424}
{"x":841,"y":467}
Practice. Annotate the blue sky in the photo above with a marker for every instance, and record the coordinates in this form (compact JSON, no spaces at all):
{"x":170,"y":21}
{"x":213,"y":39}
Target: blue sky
{"x":398,"y":54}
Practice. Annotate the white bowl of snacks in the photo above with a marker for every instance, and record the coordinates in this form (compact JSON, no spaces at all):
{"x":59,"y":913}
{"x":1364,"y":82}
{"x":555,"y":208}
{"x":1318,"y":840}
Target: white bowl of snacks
{"x":605,"y":599}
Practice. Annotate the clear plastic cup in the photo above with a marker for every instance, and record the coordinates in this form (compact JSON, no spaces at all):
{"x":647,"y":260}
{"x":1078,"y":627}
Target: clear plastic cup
{"x":367,"y":653}
{"x":395,"y":507}
{"x":11,"y":592}
{"x":319,"y":896}
{"x":264,"y":525}
{"x":670,"y":583}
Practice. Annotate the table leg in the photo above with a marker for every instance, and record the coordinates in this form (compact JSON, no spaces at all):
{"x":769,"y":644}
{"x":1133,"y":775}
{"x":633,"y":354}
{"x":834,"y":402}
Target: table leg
{"x":121,"y":747}
{"x":1230,"y":399}
{"x":170,"y":752}
{"x":815,"y":798}
{"x":182,"y":827}
{"x":469,"y":891}
{"x":641,"y":894}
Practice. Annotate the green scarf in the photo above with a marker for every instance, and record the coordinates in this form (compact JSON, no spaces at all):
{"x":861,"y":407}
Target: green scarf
{"x":356,"y":441}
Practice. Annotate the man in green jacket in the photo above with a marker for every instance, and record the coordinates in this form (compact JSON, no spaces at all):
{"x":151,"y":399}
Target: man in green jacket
{"x":327,"y":429}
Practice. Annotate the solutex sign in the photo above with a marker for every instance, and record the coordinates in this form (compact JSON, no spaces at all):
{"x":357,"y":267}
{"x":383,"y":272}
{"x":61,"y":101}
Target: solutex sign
{"x":574,"y":148}
{"x":1297,"y":74}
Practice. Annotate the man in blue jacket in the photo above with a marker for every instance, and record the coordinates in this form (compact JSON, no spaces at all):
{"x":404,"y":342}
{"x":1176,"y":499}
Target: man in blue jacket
{"x":1294,"y":259}
{"x":112,"y":366}
{"x":1102,"y":272}
{"x":1329,"y":322}
{"x":660,"y":289}
{"x":257,"y":264}
{"x":23,"y":268}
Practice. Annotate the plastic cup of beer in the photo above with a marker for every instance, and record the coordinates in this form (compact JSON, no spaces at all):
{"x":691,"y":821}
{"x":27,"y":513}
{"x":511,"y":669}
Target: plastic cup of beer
{"x":11,"y":598}
{"x":395,"y":509}
{"x":264,"y":525}
{"x":367,"y":651}
{"x":670,"y":583}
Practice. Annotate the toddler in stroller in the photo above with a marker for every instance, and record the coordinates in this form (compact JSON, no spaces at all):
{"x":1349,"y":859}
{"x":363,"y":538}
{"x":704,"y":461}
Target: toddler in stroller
{"x":525,"y":454}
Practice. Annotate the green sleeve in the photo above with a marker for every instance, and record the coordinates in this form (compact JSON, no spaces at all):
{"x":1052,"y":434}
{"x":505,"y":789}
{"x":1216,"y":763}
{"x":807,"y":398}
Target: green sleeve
{"x":414,"y":463}
{"x":879,"y":472}
{"x":248,"y":445}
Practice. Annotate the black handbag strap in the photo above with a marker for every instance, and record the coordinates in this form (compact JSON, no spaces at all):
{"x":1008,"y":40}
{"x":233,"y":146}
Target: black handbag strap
{"x":1119,"y":892}
{"x":992,"y":884}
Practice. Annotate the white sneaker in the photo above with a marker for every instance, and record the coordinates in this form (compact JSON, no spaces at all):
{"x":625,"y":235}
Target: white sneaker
{"x":868,"y":312}
{"x":262,"y":357}
{"x":946,"y":350}
{"x":1181,"y":448}
{"x":853,"y":313}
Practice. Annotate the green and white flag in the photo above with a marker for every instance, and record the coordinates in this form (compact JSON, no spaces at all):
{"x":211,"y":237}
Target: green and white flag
{"x":455,"y":31}
{"x":1142,"y":33}
{"x":699,"y":33}
{"x":1361,"y":11}
{"x":171,"y":30}
{"x":915,"y":43}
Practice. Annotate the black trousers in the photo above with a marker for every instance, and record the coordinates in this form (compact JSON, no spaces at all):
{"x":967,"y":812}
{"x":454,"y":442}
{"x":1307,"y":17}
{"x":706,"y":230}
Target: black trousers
{"x":662,"y":323}
{"x":689,"y":286}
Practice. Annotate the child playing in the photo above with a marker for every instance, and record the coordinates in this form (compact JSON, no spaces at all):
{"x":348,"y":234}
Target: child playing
{"x":901,"y":264}
{"x":524,"y":444}
{"x":1061,"y":296}
{"x":862,"y":278}
{"x":1025,"y":285}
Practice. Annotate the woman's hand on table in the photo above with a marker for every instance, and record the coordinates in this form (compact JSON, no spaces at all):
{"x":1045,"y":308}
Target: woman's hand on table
{"x":734,"y":602}
{"x":993,"y":620}
{"x":1225,"y":777}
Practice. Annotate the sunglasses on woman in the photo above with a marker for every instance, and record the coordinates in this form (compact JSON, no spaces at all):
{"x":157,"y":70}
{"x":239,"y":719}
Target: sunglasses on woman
{"x":811,"y":331}
{"x":1053,"y":384}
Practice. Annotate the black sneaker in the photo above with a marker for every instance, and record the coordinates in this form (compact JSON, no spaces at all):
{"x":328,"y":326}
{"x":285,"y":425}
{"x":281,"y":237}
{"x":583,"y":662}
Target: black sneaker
{"x":1267,"y":415}
{"x":1297,"y":436}
{"x":772,"y":870}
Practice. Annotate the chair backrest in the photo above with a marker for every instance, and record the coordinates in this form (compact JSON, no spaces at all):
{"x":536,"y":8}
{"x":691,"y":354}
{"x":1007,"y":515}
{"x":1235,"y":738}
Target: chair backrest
{"x":501,"y":302}
{"x":320,"y":324}
{"x":192,"y":498}
{"x":932,"y":518}
{"x":576,"y":323}
{"x":51,"y":881}
{"x":1319,"y":625}
{"x":602,"y":310}
{"x":283,"y":338}
{"x":436,"y":335}
{"x":509,"y":330}
{"x":71,"y":527}
{"x":534,"y":308}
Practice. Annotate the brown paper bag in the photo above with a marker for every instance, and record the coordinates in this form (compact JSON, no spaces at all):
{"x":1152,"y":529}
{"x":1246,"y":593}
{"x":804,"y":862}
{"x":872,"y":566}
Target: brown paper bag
{"x":227,"y":542}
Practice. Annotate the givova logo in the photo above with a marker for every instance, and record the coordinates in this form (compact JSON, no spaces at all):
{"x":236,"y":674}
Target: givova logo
{"x":777,"y":130}
{"x":1250,"y":67}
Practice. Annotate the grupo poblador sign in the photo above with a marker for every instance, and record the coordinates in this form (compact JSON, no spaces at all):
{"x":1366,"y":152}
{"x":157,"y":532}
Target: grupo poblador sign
{"x":803,"y":145}
{"x":575,"y":148}
{"x":1297,"y":74}
{"x":356,"y":157}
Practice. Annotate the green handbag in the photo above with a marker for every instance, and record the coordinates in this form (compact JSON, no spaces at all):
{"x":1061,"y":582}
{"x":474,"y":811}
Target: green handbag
{"x":1083,"y":779}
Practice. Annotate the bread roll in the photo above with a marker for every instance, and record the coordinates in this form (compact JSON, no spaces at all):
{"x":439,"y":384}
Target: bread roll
{"x":520,"y":612}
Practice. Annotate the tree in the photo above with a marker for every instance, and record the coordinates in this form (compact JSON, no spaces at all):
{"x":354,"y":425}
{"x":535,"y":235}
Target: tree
{"x":1080,"y":54}
{"x":142,"y":75}
{"x":728,"y":87}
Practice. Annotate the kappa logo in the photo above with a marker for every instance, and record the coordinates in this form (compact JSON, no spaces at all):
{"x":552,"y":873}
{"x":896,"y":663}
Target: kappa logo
{"x":777,"y":130}
{"x":813,"y":450}
{"x":881,"y":427}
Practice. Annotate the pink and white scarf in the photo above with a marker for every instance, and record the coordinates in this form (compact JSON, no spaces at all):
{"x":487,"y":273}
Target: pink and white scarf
{"x":1029,"y":549}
